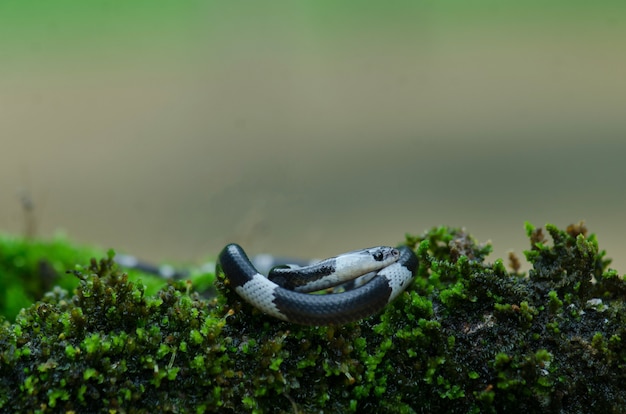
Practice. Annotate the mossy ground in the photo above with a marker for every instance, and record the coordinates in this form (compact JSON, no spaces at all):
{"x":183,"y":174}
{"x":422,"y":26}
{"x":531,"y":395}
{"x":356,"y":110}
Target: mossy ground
{"x":468,"y":336}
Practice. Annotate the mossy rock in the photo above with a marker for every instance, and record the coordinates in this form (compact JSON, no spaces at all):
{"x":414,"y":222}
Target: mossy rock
{"x":467,"y":336}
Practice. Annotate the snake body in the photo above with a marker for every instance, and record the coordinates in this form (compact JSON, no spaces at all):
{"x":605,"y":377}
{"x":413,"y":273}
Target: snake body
{"x":384,"y":273}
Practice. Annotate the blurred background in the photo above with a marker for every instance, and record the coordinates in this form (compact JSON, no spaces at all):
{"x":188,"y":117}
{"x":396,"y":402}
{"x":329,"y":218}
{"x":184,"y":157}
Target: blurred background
{"x":167,"y":129}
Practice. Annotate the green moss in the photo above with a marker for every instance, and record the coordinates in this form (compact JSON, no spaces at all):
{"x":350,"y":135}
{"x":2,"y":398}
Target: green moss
{"x":31,"y":268}
{"x":468,"y":336}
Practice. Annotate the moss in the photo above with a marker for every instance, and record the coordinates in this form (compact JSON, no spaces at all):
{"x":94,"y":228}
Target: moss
{"x":468,"y":336}
{"x":30,"y":268}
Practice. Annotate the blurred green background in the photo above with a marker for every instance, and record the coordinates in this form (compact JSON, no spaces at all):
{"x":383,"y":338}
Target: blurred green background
{"x":168,"y":128}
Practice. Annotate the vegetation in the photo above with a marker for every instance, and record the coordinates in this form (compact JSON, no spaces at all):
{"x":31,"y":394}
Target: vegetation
{"x":468,"y":336}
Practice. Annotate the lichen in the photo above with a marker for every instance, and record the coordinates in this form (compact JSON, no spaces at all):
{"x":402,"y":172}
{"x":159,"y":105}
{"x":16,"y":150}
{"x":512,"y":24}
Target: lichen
{"x":467,"y":336}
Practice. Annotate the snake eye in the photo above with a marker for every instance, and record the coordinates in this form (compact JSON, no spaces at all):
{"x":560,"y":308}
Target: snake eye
{"x":378,"y":256}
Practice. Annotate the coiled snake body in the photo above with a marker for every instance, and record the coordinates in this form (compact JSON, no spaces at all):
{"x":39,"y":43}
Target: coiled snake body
{"x":382,"y":272}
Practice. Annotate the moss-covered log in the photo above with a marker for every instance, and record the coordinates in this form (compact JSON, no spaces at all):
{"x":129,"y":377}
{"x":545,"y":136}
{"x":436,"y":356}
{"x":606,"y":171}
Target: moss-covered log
{"x":468,"y":336}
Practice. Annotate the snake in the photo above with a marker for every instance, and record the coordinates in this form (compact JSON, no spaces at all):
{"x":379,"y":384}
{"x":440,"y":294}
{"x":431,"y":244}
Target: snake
{"x":372,"y":278}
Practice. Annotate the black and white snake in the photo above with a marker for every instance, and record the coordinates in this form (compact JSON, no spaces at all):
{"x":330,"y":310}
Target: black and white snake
{"x":384,"y":273}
